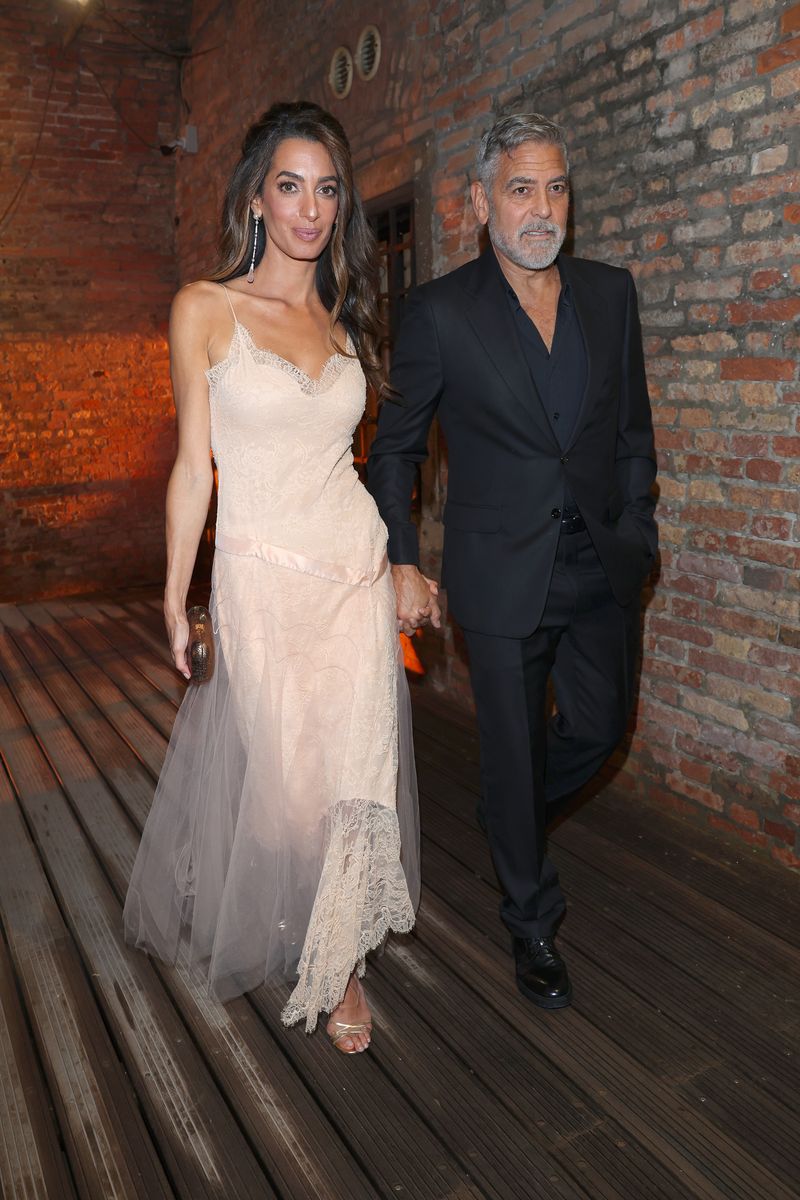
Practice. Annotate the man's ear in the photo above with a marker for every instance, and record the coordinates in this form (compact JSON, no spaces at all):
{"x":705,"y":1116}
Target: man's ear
{"x":480,"y":201}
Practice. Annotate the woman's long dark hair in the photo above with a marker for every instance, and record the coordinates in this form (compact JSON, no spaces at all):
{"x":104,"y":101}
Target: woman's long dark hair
{"x":347,"y":269}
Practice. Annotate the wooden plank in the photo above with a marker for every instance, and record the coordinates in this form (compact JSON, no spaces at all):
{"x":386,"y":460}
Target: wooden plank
{"x":680,"y":923}
{"x":277,"y":1109}
{"x":202,"y":1146}
{"x":685,"y":1145}
{"x":736,"y":1100}
{"x":729,"y":1166}
{"x":523,"y":1092}
{"x":709,"y":861}
{"x":508,"y":1155}
{"x":734,"y":945}
{"x":700,"y":950}
{"x":294,"y":1140}
{"x":66,"y":756}
{"x":712,"y":863}
{"x":32,"y":1162}
{"x":113,"y":623}
{"x":139,"y":620}
{"x":149,"y":616}
{"x":396,"y":1147}
{"x":693,"y":978}
{"x":644,"y":1095}
{"x":121,"y":766}
{"x":150,"y":701}
{"x":108,"y":704}
{"x":110,"y":1152}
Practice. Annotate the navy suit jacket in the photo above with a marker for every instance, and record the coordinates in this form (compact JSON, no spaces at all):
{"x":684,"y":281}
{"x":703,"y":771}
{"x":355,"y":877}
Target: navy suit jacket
{"x":458,"y":355}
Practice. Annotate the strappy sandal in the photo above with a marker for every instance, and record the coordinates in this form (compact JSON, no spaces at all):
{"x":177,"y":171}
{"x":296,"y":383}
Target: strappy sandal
{"x":345,"y":1031}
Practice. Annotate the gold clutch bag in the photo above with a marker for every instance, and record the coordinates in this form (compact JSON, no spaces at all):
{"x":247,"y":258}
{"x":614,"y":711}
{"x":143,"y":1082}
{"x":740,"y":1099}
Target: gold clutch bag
{"x":200,"y":651}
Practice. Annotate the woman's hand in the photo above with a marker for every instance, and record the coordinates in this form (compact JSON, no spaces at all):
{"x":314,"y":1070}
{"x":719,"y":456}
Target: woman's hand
{"x":178,"y":634}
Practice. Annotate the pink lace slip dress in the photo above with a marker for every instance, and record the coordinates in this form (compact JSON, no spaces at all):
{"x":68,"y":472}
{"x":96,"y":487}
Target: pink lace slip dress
{"x":273,"y":846}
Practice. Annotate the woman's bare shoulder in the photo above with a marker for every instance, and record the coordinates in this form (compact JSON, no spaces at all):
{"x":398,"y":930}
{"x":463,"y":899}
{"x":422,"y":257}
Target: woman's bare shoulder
{"x":198,"y":301}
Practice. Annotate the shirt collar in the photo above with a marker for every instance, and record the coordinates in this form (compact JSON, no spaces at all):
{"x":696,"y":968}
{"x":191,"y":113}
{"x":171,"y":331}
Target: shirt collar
{"x":565,"y":295}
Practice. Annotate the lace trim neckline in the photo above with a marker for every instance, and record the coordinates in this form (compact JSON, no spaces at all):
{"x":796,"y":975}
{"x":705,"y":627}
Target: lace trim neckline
{"x":331,"y":369}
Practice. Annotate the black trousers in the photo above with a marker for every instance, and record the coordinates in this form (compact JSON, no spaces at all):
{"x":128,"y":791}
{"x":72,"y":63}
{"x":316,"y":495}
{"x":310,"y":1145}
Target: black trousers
{"x":588,"y":643}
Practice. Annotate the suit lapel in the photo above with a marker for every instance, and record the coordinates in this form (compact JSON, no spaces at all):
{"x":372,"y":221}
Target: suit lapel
{"x":490,"y":316}
{"x":593,"y":320}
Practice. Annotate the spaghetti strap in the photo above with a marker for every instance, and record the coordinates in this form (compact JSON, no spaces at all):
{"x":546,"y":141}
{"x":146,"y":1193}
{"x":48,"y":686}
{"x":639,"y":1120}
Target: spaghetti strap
{"x":230,"y":303}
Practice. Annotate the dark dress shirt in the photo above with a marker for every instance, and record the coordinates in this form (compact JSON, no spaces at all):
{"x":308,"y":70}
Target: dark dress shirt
{"x":558,"y":377}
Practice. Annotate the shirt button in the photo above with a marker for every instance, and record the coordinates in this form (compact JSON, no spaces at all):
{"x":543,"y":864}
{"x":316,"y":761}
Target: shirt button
{"x":555,"y":513}
{"x":565,"y":459}
{"x":556,"y":416}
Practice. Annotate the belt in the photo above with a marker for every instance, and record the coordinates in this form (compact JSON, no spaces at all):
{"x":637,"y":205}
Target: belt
{"x":572,"y":522}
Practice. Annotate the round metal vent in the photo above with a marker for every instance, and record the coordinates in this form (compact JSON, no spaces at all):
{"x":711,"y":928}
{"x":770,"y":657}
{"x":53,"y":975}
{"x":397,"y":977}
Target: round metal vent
{"x":340,"y":76}
{"x":368,"y":52}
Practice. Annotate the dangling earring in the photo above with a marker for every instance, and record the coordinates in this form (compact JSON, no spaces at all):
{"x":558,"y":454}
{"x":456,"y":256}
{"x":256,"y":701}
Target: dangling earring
{"x":251,"y":272}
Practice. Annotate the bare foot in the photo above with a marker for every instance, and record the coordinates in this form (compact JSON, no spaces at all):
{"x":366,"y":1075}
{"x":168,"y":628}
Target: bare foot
{"x":350,"y":1023}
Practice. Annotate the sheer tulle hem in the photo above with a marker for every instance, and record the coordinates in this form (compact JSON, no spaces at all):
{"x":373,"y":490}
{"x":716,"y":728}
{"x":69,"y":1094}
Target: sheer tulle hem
{"x":283,"y":838}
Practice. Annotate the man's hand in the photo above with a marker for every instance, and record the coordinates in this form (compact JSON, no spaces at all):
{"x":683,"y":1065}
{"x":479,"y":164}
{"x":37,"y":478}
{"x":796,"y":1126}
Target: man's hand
{"x":417,"y":602}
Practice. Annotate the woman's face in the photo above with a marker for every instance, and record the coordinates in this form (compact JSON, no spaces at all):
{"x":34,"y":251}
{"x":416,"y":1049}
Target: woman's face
{"x":299,"y":200}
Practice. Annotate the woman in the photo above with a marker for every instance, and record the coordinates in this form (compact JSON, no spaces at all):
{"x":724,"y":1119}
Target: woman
{"x":273,"y":845}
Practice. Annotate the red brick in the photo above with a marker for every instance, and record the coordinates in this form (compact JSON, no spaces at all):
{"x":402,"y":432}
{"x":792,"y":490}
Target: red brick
{"x":757,"y":368}
{"x":719,"y":518}
{"x":761,"y":280}
{"x":694,"y":791}
{"x":690,"y":34}
{"x":686,"y":610}
{"x":752,"y":837}
{"x":790,"y":20}
{"x":712,"y":568}
{"x":764,"y":469}
{"x":746,"y":312}
{"x":787,"y":786}
{"x":747,"y":817}
{"x":765,"y":187}
{"x":778,"y":56}
{"x":786,"y":857}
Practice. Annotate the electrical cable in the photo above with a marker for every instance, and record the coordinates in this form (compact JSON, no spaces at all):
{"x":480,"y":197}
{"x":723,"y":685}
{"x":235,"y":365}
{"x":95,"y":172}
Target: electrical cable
{"x":180,"y":55}
{"x":120,"y":115}
{"x":15,"y":199}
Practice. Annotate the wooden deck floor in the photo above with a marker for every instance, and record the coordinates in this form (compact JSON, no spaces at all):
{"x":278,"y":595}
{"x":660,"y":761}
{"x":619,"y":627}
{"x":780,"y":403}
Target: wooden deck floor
{"x":673,"y":1075}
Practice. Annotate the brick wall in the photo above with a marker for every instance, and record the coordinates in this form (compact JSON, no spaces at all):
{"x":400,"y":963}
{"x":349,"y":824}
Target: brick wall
{"x":87,"y":276}
{"x":682,"y":122}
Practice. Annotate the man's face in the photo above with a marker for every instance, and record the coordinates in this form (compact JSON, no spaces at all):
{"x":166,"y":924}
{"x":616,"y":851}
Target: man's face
{"x":526,"y":205}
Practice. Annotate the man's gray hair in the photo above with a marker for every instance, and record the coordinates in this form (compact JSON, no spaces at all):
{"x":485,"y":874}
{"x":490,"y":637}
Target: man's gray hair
{"x":514,"y":130}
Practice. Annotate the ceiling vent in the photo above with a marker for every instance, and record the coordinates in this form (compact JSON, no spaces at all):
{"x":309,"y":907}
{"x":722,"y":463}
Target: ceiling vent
{"x":368,"y":52}
{"x":340,"y":76}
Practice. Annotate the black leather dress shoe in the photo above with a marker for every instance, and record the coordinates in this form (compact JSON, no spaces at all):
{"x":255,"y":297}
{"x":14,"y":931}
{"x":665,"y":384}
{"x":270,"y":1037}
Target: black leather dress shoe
{"x":542,"y":973}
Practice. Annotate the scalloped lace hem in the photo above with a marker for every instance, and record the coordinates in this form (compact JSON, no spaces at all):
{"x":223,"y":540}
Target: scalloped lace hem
{"x":362,"y":896}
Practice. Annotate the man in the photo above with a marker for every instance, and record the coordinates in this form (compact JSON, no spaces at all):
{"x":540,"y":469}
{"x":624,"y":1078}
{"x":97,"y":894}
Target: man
{"x":533,"y":361}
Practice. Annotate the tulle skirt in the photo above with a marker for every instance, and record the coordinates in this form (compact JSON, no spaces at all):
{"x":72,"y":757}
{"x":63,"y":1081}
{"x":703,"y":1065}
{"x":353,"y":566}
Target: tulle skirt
{"x":283,"y":839}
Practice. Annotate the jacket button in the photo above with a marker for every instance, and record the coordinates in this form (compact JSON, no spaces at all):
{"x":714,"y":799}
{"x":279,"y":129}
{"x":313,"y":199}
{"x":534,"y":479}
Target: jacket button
{"x":565,"y":459}
{"x":555,"y":513}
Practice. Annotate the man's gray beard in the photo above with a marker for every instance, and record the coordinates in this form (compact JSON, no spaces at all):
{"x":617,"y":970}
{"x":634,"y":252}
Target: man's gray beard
{"x":530,"y":257}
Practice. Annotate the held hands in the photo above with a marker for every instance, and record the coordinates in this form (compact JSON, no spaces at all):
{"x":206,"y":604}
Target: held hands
{"x":417,"y":598}
{"x":178,"y":633}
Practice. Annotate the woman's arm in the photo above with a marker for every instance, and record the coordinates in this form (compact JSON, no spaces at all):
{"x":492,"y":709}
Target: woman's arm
{"x":190,"y":483}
